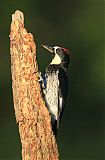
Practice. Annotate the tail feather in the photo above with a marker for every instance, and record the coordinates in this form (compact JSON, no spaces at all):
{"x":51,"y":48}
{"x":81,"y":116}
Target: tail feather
{"x":55,"y":125}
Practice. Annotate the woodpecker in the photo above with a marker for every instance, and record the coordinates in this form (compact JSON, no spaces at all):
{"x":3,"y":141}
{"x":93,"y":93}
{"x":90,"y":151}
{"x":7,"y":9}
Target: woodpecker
{"x":55,"y":84}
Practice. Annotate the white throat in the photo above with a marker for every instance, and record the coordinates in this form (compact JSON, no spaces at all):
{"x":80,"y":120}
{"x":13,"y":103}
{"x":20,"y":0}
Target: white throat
{"x":56,"y":60}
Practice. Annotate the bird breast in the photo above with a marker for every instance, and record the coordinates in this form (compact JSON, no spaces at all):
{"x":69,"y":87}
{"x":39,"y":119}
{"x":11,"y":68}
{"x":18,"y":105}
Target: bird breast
{"x":51,"y":95}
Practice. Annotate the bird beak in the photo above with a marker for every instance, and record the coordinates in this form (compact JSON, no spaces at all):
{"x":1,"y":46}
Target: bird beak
{"x":50,"y":49}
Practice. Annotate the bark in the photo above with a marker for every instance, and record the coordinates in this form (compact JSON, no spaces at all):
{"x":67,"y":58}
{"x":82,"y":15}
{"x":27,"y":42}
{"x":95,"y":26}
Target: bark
{"x":32,"y":116}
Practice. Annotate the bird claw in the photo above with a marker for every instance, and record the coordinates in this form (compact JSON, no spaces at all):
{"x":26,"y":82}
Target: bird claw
{"x":41,"y":80}
{"x":40,"y":77}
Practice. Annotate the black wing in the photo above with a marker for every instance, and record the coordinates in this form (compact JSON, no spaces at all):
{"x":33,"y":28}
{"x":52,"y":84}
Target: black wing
{"x":63,"y":90}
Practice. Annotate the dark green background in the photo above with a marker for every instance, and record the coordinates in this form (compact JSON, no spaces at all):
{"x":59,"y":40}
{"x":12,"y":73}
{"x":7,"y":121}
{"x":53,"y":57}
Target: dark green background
{"x":80,"y":26}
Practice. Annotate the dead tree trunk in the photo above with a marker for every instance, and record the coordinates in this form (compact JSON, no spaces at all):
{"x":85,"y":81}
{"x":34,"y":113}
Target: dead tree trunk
{"x":32,"y":116}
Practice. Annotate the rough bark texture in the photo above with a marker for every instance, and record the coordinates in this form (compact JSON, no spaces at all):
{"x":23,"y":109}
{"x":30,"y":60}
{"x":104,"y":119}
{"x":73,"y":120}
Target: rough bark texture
{"x":32,"y":116}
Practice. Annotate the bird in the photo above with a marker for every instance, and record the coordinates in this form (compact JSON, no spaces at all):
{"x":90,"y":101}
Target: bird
{"x":54,"y":84}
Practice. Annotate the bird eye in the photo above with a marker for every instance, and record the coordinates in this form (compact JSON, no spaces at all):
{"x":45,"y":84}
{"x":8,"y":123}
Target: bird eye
{"x":59,"y":50}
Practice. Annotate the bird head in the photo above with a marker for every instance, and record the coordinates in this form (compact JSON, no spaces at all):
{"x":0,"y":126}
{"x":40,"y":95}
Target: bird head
{"x":61,"y":55}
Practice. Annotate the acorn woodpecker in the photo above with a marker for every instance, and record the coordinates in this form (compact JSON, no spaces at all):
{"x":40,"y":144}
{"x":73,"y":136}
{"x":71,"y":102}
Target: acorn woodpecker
{"x":55,"y":84}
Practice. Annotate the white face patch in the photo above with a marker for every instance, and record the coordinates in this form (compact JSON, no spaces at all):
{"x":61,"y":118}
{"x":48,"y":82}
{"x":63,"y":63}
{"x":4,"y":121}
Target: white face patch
{"x":56,"y":59}
{"x":55,"y":48}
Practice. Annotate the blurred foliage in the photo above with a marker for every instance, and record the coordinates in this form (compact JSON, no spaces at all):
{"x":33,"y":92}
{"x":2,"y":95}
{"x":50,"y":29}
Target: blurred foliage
{"x":79,"y":26}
